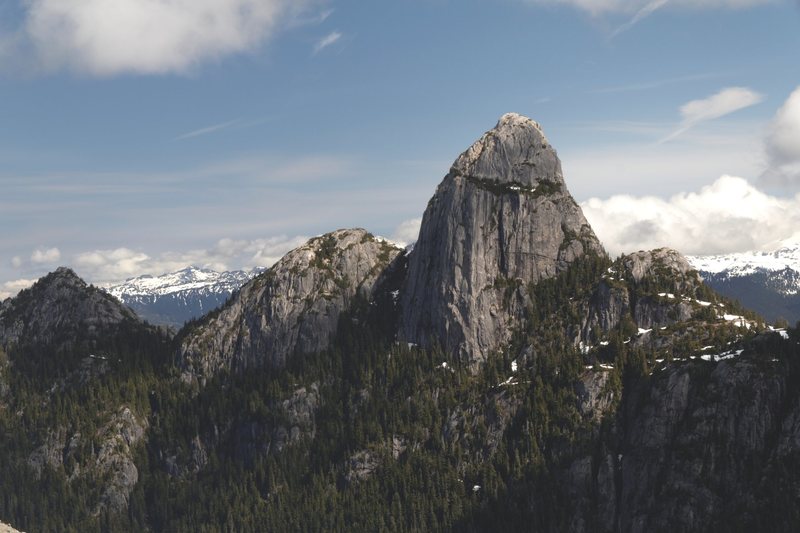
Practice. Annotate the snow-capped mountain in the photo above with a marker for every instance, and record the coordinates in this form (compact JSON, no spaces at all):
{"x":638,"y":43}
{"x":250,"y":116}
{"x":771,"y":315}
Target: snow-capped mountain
{"x":767,"y":282}
{"x":174,"y":298}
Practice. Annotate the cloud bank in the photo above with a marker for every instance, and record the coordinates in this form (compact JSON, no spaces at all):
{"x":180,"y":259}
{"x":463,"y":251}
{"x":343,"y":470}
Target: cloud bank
{"x":110,"y":266}
{"x":110,"y":37}
{"x":730,"y":215}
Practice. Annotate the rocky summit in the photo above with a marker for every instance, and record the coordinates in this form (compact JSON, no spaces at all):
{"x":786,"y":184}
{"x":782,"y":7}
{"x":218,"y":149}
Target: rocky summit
{"x":39,"y":312}
{"x":293,"y":307}
{"x":502,"y":218}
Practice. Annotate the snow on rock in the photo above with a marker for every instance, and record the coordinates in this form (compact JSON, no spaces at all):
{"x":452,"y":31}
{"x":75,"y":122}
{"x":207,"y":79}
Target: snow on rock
{"x":722,"y":357}
{"x":737,"y":320}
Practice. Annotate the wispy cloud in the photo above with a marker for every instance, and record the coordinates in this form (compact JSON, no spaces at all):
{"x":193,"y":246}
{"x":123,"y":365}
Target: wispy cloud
{"x":640,"y":15}
{"x":655,"y":84}
{"x":313,"y":19}
{"x":643,"y":8}
{"x":328,"y":40}
{"x":640,"y":165}
{"x":723,"y":103}
{"x":209,"y":129}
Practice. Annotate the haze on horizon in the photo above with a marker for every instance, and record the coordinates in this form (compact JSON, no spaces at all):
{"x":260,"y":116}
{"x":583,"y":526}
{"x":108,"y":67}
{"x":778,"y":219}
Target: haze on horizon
{"x":143,"y":137}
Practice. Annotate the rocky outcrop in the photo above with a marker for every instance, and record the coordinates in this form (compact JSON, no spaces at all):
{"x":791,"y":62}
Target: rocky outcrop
{"x":114,"y":459}
{"x":364,"y":463}
{"x":292,"y":308}
{"x":5,"y":528}
{"x":595,"y":397}
{"x":654,"y":289}
{"x":59,"y":308}
{"x":502,"y":218}
{"x":108,"y":457}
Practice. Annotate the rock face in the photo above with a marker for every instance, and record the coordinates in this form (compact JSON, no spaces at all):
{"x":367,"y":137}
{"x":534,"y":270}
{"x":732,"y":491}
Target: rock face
{"x":59,"y":307}
{"x":115,"y":458}
{"x":661,"y":263}
{"x":654,"y":288}
{"x":110,"y":461}
{"x":5,"y":528}
{"x":294,"y":307}
{"x":701,"y":447}
{"x":502,"y":218}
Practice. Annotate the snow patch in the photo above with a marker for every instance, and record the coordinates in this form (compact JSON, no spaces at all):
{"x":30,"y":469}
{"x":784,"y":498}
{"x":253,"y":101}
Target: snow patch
{"x":723,"y":356}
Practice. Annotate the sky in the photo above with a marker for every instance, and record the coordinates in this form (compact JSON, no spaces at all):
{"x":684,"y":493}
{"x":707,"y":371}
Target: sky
{"x":142,"y":136}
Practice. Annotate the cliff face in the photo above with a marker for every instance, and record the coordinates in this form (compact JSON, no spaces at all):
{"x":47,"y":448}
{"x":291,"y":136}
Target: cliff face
{"x":701,"y":446}
{"x":501,"y":219}
{"x":294,"y":307}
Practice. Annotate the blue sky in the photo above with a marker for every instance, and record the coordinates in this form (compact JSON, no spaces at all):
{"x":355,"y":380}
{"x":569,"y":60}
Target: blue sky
{"x":139,"y":136}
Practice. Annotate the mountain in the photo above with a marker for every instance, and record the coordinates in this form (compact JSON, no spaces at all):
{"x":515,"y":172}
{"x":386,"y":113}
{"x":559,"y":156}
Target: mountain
{"x":175,"y":298}
{"x":64,"y":345}
{"x":500,"y":219}
{"x":767,"y":282}
{"x":355,"y":386}
{"x":292,"y":308}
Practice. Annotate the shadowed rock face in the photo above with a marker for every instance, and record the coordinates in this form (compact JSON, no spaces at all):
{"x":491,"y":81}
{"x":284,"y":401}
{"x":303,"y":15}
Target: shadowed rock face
{"x":500,"y":219}
{"x":292,"y":308}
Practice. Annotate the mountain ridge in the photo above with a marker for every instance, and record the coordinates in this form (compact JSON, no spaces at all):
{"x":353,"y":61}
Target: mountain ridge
{"x":767,"y":282}
{"x":616,"y":395}
{"x":174,"y":298}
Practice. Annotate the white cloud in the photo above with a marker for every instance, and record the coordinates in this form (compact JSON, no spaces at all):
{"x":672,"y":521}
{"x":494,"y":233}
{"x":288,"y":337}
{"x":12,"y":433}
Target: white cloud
{"x":11,"y":288}
{"x":48,"y":256}
{"x":328,"y":40}
{"x":727,"y":216}
{"x":110,"y":266}
{"x":407,"y":232}
{"x":783,"y":143}
{"x":109,"y":37}
{"x":723,"y":103}
{"x":16,"y":261}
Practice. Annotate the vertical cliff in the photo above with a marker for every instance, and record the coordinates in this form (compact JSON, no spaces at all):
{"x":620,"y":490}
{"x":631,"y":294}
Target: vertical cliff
{"x":501,"y":219}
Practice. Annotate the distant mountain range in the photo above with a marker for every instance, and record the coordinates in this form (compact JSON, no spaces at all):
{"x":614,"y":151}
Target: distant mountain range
{"x":173,"y":299}
{"x":767,"y":282}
